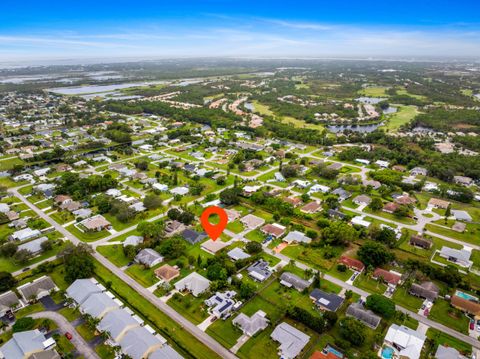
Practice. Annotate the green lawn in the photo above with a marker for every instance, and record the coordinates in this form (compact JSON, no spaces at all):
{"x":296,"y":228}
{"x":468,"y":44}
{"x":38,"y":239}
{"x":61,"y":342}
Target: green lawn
{"x":87,"y":236}
{"x":224,"y":332}
{"x":105,"y":351}
{"x":401,"y":297}
{"x":235,"y":226}
{"x":255,"y":236}
{"x":144,"y":276}
{"x":311,"y":256}
{"x":369,"y":284}
{"x":114,"y":253}
{"x":373,"y":91}
{"x":443,"y":313}
{"x":403,"y":116}
{"x":441,"y":338}
{"x":190,"y":307}
{"x":69,"y":313}
{"x":85,"y":332}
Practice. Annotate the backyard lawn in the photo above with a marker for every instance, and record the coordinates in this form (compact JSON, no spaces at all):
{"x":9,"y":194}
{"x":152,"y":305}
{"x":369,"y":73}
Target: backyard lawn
{"x":406,"y":300}
{"x":114,"y":253}
{"x":443,"y":313}
{"x":190,"y":307}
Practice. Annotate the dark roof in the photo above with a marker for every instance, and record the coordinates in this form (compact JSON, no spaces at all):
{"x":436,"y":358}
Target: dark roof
{"x":427,"y":290}
{"x":329,"y":301}
{"x":364,"y":315}
{"x":193,"y":236}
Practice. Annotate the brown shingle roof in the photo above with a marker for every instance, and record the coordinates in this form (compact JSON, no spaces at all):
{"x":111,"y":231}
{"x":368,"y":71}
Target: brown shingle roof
{"x":167,"y":272}
{"x":465,"y":305}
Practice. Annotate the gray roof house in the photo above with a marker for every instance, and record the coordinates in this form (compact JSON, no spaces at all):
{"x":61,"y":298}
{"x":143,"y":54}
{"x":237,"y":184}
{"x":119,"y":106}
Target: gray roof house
{"x":81,"y":289}
{"x":251,"y":325}
{"x":116,"y":323}
{"x":292,"y":280}
{"x":444,"y":352}
{"x":138,"y":343}
{"x":238,"y":254}
{"x":192,"y":236}
{"x":259,"y":270}
{"x":24,"y":344}
{"x":461,"y":215}
{"x":165,"y":352}
{"x":221,"y":304}
{"x":35,"y":246}
{"x":7,"y":301}
{"x":297,"y":237}
{"x":98,"y":304}
{"x":457,"y":256}
{"x":39,"y":288}
{"x":133,"y":241}
{"x":148,"y":257}
{"x":326,"y":301}
{"x":24,"y":234}
{"x":194,"y":283}
{"x":292,"y":341}
{"x":341,"y":193}
{"x":427,"y":290}
{"x":367,"y":317}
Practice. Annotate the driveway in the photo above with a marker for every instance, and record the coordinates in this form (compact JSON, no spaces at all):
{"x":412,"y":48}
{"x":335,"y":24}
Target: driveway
{"x":64,"y":326}
{"x":49,"y":304}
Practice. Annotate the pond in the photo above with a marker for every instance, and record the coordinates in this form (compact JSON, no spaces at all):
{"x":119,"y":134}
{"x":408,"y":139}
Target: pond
{"x":249,"y":106}
{"x":370,"y":100}
{"x":390,"y":110}
{"x":354,"y":128}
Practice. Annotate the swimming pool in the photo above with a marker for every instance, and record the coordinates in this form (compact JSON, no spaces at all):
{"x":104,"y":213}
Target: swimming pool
{"x":334,"y":351}
{"x":466,"y":296}
{"x":387,"y":353}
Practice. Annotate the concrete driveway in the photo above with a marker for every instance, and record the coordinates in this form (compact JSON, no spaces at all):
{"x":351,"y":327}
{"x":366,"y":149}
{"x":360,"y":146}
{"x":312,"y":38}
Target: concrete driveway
{"x":64,"y":326}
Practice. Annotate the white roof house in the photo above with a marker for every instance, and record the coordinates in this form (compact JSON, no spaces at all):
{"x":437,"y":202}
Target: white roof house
{"x":138,"y":343}
{"x":148,"y":257}
{"x":24,"y":234}
{"x":194,"y":283}
{"x":406,"y":342}
{"x":251,"y":325}
{"x":81,"y":289}
{"x":297,"y":237}
{"x":34,"y":246}
{"x":238,"y":254}
{"x":98,"y":304}
{"x":117,"y":322}
{"x":160,"y":187}
{"x":319,"y":188}
{"x":179,"y":190}
{"x":24,"y":344}
{"x":133,"y":241}
{"x":292,"y":341}
{"x":358,"y":220}
{"x":457,"y":256}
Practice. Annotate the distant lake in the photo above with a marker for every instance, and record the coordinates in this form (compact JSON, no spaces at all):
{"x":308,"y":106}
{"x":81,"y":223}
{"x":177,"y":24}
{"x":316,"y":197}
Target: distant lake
{"x":370,"y":100}
{"x":354,"y":128}
{"x":390,"y":110}
{"x":249,"y":106}
{"x":78,"y":90}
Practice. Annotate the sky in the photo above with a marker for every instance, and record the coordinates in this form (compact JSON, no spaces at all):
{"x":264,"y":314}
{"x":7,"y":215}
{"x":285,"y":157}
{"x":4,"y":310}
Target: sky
{"x":38,"y":30}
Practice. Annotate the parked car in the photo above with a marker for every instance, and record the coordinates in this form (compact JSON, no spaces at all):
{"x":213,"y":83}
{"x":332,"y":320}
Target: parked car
{"x":68,"y":335}
{"x":472,"y":325}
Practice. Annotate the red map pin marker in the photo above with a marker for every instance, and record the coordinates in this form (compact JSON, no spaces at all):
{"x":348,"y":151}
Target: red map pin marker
{"x":214,"y":230}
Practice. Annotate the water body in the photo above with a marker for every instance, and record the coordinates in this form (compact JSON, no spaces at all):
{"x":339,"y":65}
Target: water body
{"x":390,"y":110}
{"x":354,"y":128}
{"x":90,"y":89}
{"x":370,"y":100}
{"x":249,"y":106}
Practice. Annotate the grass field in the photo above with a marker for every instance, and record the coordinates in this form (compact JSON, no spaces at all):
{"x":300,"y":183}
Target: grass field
{"x":406,"y":300}
{"x":403,"y":116}
{"x":444,"y":314}
{"x":373,"y":92}
{"x":114,"y":254}
{"x":86,"y":236}
{"x":444,"y":339}
{"x":190,"y":307}
{"x":369,"y":284}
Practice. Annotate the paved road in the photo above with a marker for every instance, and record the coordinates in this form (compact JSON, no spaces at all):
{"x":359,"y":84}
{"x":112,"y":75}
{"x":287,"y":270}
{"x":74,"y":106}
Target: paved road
{"x":64,"y":326}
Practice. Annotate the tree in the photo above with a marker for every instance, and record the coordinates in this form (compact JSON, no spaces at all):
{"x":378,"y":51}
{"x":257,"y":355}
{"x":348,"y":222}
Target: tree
{"x":230,"y":196}
{"x":352,"y":330}
{"x":174,"y":214}
{"x":23,"y":324}
{"x":339,"y":233}
{"x":46,"y":246}
{"x":7,"y":281}
{"x":172,"y":248}
{"x":152,"y":201}
{"x":374,"y":254}
{"x":130,"y":251}
{"x":381,"y":305}
{"x":186,"y":217}
{"x":22,"y":256}
{"x":247,"y":290}
{"x":78,"y":262}
{"x":289,"y":171}
{"x":253,"y":247}
{"x":8,"y":249}
{"x":376,"y":204}
{"x":150,"y":230}
{"x":217,"y":271}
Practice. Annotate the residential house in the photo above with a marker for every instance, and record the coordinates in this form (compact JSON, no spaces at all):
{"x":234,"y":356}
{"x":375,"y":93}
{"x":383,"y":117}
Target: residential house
{"x":117,"y":323}
{"x":426,"y":290}
{"x":251,"y":221}
{"x":37,"y":289}
{"x":438,"y":203}
{"x":139,"y":343}
{"x":193,"y":283}
{"x":465,"y":305}
{"x":362,"y":200}
{"x":81,"y":289}
{"x":310,"y":208}
{"x":367,"y":317}
{"x":96,"y":223}
{"x":390,"y":207}
{"x":292,"y":341}
{"x":292,"y":280}
{"x":237,"y":254}
{"x":33,"y":246}
{"x":192,"y":236}
{"x":232,"y":214}
{"x":421,"y":242}
{"x":444,"y":352}
{"x":406,"y":342}
{"x":391,"y":278}
{"x":167,"y":272}
{"x":274,"y":230}
{"x":318,"y":188}
{"x":148,"y":257}
{"x":296,"y":237}
{"x":352,"y":263}
{"x":372,"y":183}
{"x":418,"y":171}
{"x":360,"y":221}
{"x":181,"y":191}
{"x":342,"y":194}
{"x":212,"y":246}
{"x":221,"y":304}
{"x":8,"y":302}
{"x":259,"y":270}
{"x":461,"y":215}
{"x":24,"y":234}
{"x":326,"y":301}
{"x":133,"y":241}
{"x":172,"y":227}
{"x":26,"y":344}
{"x":98,"y":304}
{"x":460,"y":257}
{"x":251,"y":325}
{"x":462,"y":180}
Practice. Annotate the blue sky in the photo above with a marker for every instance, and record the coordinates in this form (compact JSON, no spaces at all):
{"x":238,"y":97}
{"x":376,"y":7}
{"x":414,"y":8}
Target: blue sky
{"x":137,"y":28}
